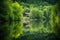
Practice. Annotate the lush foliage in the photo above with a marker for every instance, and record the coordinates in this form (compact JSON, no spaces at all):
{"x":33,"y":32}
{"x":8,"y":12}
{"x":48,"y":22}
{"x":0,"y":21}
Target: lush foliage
{"x":10,"y":12}
{"x":41,"y":20}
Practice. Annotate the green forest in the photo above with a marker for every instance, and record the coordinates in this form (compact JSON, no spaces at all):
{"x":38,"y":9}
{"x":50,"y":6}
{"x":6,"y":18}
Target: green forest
{"x":29,"y":19}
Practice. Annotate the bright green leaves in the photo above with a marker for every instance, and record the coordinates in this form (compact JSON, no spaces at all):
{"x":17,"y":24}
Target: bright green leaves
{"x":10,"y":12}
{"x":35,"y":14}
{"x":40,"y":19}
{"x":56,"y":19}
{"x":17,"y":16}
{"x":15,"y":29}
{"x":17,"y":11}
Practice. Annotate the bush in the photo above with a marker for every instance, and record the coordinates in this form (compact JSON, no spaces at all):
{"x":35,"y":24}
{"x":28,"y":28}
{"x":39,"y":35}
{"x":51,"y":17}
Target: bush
{"x":17,"y":11}
{"x":35,"y":13}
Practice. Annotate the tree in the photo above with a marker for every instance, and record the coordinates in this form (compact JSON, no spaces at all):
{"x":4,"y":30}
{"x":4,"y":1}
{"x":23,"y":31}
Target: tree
{"x":17,"y":11}
{"x":7,"y":9}
{"x":35,"y":13}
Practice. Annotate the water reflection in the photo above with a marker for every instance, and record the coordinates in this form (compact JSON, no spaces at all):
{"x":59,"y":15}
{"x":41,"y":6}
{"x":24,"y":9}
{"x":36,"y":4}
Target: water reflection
{"x":31,"y":28}
{"x":9,"y":30}
{"x":35,"y":28}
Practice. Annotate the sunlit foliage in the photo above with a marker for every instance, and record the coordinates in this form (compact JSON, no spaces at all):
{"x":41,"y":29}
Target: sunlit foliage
{"x":17,"y":11}
{"x":42,"y":22}
{"x":10,"y":12}
{"x":36,"y":13}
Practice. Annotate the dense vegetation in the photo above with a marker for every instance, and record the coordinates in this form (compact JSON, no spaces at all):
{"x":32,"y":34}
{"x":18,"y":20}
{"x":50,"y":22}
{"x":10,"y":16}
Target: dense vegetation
{"x":10,"y":12}
{"x":41,"y":23}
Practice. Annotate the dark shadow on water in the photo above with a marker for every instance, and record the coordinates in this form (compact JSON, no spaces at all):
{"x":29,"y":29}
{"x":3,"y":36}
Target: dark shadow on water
{"x":7,"y":29}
